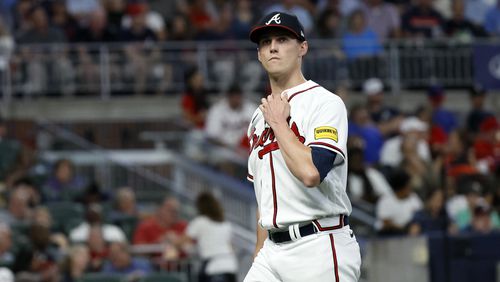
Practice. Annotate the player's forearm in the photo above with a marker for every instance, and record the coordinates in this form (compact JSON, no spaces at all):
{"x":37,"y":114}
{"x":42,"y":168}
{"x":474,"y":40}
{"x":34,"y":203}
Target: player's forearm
{"x":297,"y":156}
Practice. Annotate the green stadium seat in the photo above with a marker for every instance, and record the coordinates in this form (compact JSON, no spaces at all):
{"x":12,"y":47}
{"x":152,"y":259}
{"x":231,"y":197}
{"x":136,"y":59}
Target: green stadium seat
{"x":66,"y":215}
{"x":127,"y":224}
{"x":9,"y":152}
{"x":20,"y":229}
{"x":102,"y":277}
{"x":166,"y":277}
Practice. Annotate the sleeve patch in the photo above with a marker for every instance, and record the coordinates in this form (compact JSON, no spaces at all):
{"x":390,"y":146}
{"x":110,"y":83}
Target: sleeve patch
{"x":326,"y":132}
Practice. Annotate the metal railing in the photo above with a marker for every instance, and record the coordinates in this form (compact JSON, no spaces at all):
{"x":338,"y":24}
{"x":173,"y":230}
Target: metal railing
{"x":107,"y":70}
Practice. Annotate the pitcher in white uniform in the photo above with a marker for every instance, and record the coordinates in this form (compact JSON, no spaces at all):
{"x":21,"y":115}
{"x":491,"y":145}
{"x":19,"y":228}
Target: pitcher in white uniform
{"x":298,"y":166}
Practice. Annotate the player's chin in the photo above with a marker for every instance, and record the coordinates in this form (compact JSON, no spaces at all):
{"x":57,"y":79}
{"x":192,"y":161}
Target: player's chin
{"x":274,"y":70}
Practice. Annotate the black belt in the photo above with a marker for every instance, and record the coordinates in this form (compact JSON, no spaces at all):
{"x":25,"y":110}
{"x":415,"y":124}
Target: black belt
{"x":308,"y":229}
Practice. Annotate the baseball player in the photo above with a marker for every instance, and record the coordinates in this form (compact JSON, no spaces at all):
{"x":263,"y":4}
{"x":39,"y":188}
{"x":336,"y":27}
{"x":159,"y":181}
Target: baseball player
{"x":298,"y":165}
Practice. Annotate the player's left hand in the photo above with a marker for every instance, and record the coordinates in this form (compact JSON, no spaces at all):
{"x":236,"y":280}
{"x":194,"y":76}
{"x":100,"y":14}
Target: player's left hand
{"x":276,"y":110}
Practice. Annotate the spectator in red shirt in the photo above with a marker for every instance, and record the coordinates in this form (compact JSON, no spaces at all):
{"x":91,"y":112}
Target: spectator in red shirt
{"x":487,"y":145}
{"x":161,"y":227}
{"x":204,"y":17}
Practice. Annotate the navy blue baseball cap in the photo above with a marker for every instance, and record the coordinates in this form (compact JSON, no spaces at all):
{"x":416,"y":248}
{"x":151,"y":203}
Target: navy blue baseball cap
{"x":278,"y":20}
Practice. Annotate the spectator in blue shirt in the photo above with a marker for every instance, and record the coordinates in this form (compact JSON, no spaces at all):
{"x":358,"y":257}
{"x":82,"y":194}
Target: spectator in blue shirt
{"x":359,"y":40}
{"x":492,"y":20}
{"x":121,"y":262}
{"x":440,"y":116}
{"x":361,"y":125}
{"x":476,"y":10}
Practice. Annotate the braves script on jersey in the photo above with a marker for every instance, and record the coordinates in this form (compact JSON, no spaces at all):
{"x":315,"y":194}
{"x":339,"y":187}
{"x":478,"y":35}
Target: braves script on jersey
{"x":318,"y":118}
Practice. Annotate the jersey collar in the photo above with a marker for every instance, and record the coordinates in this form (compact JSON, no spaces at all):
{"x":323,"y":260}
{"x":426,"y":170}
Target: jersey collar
{"x":292,"y":92}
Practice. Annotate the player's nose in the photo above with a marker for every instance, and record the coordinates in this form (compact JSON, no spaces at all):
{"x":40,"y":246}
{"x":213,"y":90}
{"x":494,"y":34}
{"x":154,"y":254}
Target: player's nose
{"x":274,"y":45}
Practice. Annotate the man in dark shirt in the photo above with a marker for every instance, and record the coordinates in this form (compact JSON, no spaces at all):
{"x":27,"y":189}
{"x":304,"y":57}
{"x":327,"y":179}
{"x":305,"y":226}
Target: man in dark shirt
{"x":477,"y":114}
{"x":41,"y":31}
{"x":422,"y":20}
{"x":138,"y":30}
{"x":460,"y":27}
{"x":97,"y":29}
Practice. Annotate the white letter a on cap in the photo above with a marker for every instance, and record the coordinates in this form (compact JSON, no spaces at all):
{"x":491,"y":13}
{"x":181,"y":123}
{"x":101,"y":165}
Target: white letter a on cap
{"x":275,"y":18}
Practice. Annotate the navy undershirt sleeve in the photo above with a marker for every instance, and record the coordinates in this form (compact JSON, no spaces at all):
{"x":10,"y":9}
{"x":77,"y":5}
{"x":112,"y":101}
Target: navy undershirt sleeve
{"x":323,"y":159}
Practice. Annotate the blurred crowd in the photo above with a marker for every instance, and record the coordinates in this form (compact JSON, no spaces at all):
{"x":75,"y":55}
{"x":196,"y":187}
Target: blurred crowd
{"x":55,"y":21}
{"x":429,"y":170}
{"x":58,"y":226}
{"x":137,"y":64}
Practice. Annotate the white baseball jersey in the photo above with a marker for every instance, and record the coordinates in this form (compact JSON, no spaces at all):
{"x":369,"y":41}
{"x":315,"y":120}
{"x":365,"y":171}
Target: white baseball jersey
{"x":319,"y":119}
{"x":226,"y":124}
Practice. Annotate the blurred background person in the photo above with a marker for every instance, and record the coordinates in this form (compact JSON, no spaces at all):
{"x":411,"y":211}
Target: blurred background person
{"x":478,"y":111}
{"x":421,"y":20}
{"x":212,"y":236}
{"x":395,"y":211}
{"x":364,"y":182}
{"x":163,"y":228}
{"x":492,"y":20}
{"x":383,"y":18}
{"x":360,"y":41}
{"x":441,"y":116}
{"x":459,"y":27}
{"x":387,"y":118}
{"x":361,"y":125}
{"x":64,"y":184}
{"x":227,"y":120}
{"x":482,"y":221}
{"x":476,"y":10}
{"x":125,"y":204}
{"x":122,"y":262}
{"x":194,"y":102}
{"x":76,"y":264}
{"x":94,"y":217}
{"x":433,"y":218}
{"x":98,"y":248}
{"x":328,"y":25}
{"x":413,"y":130}
{"x":41,"y":30}
{"x":18,"y":211}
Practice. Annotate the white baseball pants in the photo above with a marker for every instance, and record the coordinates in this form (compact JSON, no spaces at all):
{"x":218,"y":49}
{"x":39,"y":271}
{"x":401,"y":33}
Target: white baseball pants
{"x":322,"y":257}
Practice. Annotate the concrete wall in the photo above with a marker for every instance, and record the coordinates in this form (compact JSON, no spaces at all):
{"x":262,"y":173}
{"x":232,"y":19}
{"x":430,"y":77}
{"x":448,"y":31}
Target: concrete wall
{"x":132,"y":108}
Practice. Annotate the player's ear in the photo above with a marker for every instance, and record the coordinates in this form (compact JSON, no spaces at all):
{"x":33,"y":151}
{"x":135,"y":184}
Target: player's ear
{"x":258,"y":55}
{"x":304,"y":46}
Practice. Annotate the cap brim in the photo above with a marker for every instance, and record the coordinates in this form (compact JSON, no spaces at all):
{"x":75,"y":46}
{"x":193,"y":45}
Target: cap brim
{"x":258,"y":30}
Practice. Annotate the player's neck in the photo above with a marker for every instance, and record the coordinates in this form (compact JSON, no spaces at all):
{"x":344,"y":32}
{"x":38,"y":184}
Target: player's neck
{"x":284,"y":82}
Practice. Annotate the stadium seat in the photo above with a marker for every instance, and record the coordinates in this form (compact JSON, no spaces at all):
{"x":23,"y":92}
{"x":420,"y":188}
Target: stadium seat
{"x":66,"y":215}
{"x":127,"y":224}
{"x":9,"y":152}
{"x":102,"y":277}
{"x":20,"y":228}
{"x":166,"y":277}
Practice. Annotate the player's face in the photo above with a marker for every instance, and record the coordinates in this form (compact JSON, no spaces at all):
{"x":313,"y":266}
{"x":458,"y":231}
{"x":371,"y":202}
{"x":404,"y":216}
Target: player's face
{"x":280,"y":53}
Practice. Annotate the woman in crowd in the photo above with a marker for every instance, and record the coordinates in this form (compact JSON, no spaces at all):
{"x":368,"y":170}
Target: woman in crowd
{"x":212,"y":235}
